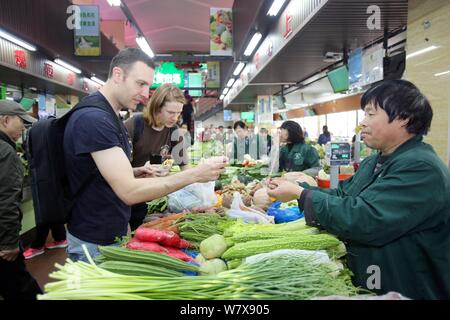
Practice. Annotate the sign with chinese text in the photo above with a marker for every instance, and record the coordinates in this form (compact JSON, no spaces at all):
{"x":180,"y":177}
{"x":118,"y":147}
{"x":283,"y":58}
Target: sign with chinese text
{"x":48,"y":70}
{"x":87,"y":37}
{"x":168,"y":73}
{"x":20,"y":59}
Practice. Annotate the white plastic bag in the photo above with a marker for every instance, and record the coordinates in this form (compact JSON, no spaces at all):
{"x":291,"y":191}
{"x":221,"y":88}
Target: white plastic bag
{"x":195,"y":195}
{"x":249,"y":214}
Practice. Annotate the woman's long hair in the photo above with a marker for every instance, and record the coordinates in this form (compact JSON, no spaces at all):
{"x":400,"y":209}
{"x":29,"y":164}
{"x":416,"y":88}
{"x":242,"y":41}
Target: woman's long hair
{"x":165,"y":93}
{"x":295,"y":132}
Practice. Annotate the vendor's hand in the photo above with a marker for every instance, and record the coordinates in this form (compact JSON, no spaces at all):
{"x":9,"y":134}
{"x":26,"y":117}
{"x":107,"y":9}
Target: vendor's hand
{"x":283,"y":190}
{"x":300,"y":177}
{"x":9,"y":255}
{"x":210,"y":169}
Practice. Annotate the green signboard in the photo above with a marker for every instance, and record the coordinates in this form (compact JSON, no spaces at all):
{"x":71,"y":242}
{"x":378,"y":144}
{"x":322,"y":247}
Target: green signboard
{"x":195,"y":81}
{"x":168,"y":73}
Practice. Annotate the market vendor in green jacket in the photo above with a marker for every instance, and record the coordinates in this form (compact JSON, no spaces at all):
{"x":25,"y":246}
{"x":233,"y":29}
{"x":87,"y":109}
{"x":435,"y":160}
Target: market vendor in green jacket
{"x":394,"y":213}
{"x":296,"y":155}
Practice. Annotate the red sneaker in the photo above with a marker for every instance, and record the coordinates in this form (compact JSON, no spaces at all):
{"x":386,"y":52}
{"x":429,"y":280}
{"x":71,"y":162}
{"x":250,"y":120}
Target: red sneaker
{"x":31,"y":252}
{"x":56,"y":244}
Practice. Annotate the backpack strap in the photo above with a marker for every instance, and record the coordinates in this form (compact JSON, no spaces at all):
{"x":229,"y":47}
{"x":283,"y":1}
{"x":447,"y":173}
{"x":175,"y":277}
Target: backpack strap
{"x":138,"y":127}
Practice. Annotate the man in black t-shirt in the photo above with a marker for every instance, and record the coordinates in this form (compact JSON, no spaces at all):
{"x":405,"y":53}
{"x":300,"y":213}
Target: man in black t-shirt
{"x":93,"y":140}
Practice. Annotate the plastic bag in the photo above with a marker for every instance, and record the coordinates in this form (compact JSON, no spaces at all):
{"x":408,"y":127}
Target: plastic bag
{"x":320,"y":256}
{"x":284,"y":215}
{"x":248,"y":215}
{"x":193,"y":196}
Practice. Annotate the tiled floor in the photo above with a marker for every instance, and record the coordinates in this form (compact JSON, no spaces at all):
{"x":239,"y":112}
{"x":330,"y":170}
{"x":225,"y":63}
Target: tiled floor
{"x":41,"y":266}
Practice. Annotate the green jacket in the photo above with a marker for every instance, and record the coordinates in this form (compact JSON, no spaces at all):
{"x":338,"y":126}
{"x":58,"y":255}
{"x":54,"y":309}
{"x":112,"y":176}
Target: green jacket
{"x":397,"y":219}
{"x":11,"y":178}
{"x":302,"y":156}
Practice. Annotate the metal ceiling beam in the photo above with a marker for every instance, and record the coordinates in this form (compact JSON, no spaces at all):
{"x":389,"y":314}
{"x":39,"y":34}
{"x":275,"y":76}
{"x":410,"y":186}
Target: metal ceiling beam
{"x":190,"y":58}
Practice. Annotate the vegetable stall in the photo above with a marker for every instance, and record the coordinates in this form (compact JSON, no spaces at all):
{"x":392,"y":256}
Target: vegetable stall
{"x":243,"y":246}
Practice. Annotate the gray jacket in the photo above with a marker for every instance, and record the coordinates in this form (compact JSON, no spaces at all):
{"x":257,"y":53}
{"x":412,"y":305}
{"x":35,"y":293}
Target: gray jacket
{"x":11,"y":179}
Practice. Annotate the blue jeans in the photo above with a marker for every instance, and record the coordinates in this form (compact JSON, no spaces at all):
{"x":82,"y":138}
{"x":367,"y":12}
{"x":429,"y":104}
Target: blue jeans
{"x":75,"y":249}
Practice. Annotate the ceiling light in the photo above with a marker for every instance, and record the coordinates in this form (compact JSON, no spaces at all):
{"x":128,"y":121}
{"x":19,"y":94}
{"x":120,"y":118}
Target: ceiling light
{"x":252,"y":44}
{"x":275,"y":7}
{"x":230,"y":82}
{"x":441,"y":73}
{"x":97,"y":80}
{"x":422,"y":51}
{"x":221,"y":97}
{"x":143,"y":44}
{"x":67,"y":66}
{"x":225,"y":91}
{"x":10,"y":37}
{"x":114,"y":3}
{"x":239,"y":68}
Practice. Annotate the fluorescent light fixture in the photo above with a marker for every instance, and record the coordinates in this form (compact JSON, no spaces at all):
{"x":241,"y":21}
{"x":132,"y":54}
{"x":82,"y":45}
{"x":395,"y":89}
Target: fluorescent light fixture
{"x":422,"y":51}
{"x":225,"y":91}
{"x":252,"y":44}
{"x":10,"y":37}
{"x":230,"y":82}
{"x":67,"y":66}
{"x":441,"y":73}
{"x":239,"y":68}
{"x":114,"y":3}
{"x":275,"y":7}
{"x":221,"y":97}
{"x":143,"y":44}
{"x":164,"y":55}
{"x":97,"y":80}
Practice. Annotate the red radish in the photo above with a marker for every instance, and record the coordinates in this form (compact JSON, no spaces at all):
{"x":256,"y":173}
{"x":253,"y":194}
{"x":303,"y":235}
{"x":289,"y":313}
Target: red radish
{"x":177,"y":253}
{"x":169,"y":238}
{"x":146,"y":246}
{"x":183,"y":244}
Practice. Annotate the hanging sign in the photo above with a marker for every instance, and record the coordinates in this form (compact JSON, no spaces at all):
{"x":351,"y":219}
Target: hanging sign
{"x":87,"y":37}
{"x":221,"y":32}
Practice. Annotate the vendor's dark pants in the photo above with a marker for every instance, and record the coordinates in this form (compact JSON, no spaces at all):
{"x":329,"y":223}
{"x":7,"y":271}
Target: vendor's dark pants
{"x":16,"y":283}
{"x":58,"y":234}
{"x":138,"y":213}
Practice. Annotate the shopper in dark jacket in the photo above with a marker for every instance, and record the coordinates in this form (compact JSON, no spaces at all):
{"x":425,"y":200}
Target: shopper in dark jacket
{"x":15,"y":281}
{"x":394,"y":213}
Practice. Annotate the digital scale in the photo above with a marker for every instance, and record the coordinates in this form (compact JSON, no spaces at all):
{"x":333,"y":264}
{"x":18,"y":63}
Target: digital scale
{"x":337,"y":154}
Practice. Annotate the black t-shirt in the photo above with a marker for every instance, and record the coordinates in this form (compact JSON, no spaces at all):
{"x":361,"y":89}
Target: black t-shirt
{"x":98,"y":215}
{"x":188,"y":109}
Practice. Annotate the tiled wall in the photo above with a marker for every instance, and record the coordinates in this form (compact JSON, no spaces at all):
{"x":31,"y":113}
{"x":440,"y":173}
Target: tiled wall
{"x":421,"y":69}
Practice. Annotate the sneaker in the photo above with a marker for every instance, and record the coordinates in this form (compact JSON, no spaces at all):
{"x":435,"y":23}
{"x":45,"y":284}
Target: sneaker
{"x":31,"y":252}
{"x":56,"y":244}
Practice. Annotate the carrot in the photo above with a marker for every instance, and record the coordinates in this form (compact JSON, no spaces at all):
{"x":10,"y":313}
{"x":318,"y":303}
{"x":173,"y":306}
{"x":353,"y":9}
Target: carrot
{"x":172,"y":217}
{"x":162,"y":225}
{"x":173,"y":228}
{"x":169,"y":238}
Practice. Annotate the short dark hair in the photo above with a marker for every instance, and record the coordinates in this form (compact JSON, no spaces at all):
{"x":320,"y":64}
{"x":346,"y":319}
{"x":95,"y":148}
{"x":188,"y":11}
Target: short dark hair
{"x":127,"y":57}
{"x":295,"y":132}
{"x":220,"y":127}
{"x":263,"y":130}
{"x":239,"y":124}
{"x":401,"y":99}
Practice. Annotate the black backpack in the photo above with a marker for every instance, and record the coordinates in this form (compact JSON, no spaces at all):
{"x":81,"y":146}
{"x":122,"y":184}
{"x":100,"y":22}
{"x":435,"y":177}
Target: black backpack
{"x":52,"y":199}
